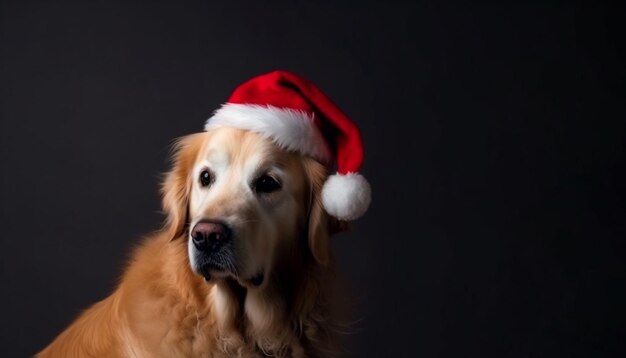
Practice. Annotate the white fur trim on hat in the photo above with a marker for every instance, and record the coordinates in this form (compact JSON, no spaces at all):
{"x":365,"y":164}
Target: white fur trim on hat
{"x":290,"y":129}
{"x":346,"y":197}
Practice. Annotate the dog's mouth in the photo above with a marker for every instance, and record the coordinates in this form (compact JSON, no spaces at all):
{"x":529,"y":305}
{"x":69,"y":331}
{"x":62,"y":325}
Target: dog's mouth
{"x":220,"y":265}
{"x":212,"y":270}
{"x":215,"y":271}
{"x":216,"y":266}
{"x":209,"y":271}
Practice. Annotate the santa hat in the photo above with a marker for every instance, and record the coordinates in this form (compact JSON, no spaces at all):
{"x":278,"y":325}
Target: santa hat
{"x":297,"y":116}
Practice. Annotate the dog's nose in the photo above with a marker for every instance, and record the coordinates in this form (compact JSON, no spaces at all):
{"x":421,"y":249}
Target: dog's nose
{"x":208,"y":235}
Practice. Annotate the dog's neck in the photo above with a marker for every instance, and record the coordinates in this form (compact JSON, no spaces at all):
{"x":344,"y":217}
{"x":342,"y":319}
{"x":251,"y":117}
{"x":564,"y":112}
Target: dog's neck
{"x":274,"y":313}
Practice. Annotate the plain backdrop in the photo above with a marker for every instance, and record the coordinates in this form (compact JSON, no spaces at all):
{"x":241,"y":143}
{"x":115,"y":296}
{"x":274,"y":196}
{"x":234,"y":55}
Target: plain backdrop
{"x":495,"y":139}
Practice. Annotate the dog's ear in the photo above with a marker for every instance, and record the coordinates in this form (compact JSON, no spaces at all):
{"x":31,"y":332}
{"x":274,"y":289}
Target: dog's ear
{"x":177,"y":184}
{"x":320,"y":225}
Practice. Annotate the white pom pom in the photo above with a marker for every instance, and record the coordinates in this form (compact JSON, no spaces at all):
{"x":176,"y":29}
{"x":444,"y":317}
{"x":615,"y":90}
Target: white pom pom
{"x":346,"y":197}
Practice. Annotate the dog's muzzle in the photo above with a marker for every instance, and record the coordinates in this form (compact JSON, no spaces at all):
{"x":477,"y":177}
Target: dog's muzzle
{"x":212,"y":249}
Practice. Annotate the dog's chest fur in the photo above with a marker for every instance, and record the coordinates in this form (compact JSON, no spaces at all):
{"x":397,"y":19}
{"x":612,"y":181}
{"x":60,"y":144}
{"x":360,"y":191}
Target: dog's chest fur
{"x":179,"y":315}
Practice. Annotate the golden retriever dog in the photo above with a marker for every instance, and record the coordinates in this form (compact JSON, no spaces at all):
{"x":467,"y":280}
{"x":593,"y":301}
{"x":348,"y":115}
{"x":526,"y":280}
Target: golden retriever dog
{"x":242,"y":266}
{"x":266,"y":290}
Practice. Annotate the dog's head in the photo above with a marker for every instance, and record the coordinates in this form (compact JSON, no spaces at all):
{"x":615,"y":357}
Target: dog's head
{"x":241,"y":204}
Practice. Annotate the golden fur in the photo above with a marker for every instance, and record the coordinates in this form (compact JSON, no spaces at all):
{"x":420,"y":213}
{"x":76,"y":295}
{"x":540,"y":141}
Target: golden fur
{"x":161,"y":308}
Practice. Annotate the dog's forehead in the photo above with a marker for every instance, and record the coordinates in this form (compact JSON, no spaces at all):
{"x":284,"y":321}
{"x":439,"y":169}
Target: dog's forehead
{"x":229,"y":146}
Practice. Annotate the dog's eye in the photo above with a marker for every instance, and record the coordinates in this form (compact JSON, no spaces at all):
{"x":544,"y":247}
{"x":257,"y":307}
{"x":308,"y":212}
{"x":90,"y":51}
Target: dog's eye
{"x":205,"y":178}
{"x":266,"y":184}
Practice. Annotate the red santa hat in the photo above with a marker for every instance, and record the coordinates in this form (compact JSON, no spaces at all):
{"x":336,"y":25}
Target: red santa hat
{"x":297,"y":116}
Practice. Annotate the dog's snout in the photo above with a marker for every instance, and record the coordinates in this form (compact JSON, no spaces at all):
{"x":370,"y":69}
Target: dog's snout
{"x":207,"y":235}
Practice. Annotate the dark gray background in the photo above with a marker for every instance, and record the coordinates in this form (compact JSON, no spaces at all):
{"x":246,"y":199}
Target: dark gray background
{"x":495,"y":146}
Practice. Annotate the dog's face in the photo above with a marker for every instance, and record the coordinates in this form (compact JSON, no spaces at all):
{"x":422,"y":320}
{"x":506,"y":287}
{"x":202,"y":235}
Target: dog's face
{"x":241,"y":203}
